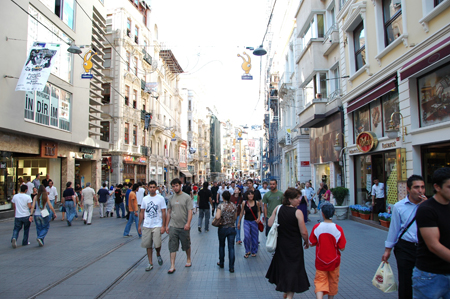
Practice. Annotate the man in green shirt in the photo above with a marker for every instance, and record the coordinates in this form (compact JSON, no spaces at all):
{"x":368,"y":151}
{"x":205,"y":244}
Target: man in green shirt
{"x":271,"y":200}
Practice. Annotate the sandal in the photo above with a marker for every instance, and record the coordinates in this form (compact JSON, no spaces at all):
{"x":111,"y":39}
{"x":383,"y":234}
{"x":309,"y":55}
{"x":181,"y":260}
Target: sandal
{"x":247,"y":255}
{"x":253,"y":255}
{"x":171,"y":271}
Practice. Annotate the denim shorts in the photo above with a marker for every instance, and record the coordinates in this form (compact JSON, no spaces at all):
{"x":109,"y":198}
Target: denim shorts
{"x":428,"y":285}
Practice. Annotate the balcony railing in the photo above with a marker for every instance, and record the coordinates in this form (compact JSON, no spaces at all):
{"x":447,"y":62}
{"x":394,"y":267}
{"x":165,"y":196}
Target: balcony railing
{"x":334,"y":95}
{"x":147,"y":57}
{"x":332,"y":28}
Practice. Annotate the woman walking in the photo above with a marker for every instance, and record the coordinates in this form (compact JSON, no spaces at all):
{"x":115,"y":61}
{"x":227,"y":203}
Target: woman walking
{"x":252,"y":211}
{"x":236,"y":198}
{"x":69,"y":200}
{"x":39,"y":207}
{"x":303,"y":206}
{"x":287,"y":269}
{"x":227,"y":210}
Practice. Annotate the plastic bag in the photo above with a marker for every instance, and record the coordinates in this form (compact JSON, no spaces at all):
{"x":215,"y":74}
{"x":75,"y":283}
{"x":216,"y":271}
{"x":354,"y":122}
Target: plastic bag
{"x":384,"y":278}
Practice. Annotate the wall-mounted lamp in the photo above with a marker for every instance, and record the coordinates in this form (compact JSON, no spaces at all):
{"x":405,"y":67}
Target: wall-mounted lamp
{"x":337,"y":143}
{"x":392,"y":130}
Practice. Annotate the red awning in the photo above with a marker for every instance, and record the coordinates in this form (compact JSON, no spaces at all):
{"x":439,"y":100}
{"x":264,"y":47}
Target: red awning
{"x":427,"y":58}
{"x":373,"y":94}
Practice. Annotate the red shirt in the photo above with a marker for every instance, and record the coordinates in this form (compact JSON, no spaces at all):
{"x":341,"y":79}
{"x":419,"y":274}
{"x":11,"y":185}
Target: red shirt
{"x":329,"y":238}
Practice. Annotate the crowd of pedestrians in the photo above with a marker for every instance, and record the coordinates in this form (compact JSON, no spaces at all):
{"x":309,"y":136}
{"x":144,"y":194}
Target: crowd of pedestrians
{"x":419,"y":233}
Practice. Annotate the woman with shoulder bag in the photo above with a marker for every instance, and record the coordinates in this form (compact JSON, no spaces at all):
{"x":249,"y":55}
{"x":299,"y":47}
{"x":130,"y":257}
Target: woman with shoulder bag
{"x":287,"y":269}
{"x":227,"y":231}
{"x":252,"y":211}
{"x":41,"y":214}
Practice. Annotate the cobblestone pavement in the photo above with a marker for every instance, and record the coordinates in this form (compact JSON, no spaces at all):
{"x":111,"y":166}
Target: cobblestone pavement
{"x":97,"y":262}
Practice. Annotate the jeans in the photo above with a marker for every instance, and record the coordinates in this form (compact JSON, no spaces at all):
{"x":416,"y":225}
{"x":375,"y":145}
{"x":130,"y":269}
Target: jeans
{"x":88,"y":211}
{"x":18,"y":223}
{"x":203,"y":213}
{"x":49,"y":210}
{"x":120,"y":207}
{"x":226,"y":233}
{"x":134,"y":218}
{"x":42,"y":226}
{"x":70,"y":210}
{"x":102,"y":209}
{"x":430,"y":285}
{"x":238,"y":230}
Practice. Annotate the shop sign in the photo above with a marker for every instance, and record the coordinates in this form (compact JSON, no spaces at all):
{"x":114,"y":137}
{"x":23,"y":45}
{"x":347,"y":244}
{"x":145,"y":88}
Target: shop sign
{"x":366,"y":141}
{"x":143,"y":160}
{"x":165,"y":169}
{"x":304,"y":163}
{"x":353,"y":151}
{"x":2,"y":165}
{"x":88,"y":156}
{"x":160,"y":170}
{"x":87,"y":150}
{"x":288,"y":137}
{"x":49,"y":149}
{"x":389,"y":144}
{"x":153,"y":170}
{"x":128,"y":159}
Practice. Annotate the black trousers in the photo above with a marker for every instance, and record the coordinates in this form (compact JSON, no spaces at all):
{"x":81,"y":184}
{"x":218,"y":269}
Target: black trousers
{"x":405,"y":254}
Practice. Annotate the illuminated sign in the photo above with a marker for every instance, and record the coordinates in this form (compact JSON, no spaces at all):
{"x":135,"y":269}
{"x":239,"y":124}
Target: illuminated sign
{"x":366,"y":141}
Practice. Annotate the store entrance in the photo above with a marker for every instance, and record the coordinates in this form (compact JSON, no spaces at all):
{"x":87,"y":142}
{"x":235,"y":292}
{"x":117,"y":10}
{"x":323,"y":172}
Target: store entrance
{"x":83,"y":173}
{"x":434,"y":157}
{"x":377,"y":168}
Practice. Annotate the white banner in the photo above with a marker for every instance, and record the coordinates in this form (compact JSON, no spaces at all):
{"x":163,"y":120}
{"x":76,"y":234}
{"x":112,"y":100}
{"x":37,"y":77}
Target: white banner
{"x":288,"y":137}
{"x":38,"y":66}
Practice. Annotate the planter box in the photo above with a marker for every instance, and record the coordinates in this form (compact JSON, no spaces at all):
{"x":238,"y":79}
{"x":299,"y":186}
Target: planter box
{"x":364,"y":216}
{"x":385,"y":223}
{"x":355,"y":214}
{"x":341,"y":212}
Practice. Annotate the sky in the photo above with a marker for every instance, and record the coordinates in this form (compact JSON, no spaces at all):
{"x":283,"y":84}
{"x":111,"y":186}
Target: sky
{"x":205,"y":37}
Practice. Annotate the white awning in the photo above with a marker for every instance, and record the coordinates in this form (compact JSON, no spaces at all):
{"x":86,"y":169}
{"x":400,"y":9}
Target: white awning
{"x":186,"y":173}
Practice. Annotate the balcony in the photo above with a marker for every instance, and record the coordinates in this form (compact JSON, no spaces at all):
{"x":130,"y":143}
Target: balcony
{"x":331,"y":39}
{"x":311,"y":58}
{"x":313,"y":113}
{"x":147,"y":57}
{"x":144,"y":150}
{"x":281,"y":136}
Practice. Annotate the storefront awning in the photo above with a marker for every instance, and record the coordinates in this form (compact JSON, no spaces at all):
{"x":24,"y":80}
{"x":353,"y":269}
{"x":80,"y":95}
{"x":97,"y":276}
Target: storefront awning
{"x":186,"y":173}
{"x":373,"y":94}
{"x":427,"y":58}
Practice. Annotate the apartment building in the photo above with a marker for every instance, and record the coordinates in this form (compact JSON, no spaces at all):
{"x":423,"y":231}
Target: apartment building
{"x":55,"y":131}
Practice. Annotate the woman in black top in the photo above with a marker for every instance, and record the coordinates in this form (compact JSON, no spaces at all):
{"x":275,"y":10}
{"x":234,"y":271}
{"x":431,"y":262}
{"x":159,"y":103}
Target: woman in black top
{"x":69,"y":199}
{"x":251,"y":220}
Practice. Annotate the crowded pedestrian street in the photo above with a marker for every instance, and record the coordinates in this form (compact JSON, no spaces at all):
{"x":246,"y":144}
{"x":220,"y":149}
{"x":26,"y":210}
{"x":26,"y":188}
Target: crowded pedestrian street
{"x":98,"y":262}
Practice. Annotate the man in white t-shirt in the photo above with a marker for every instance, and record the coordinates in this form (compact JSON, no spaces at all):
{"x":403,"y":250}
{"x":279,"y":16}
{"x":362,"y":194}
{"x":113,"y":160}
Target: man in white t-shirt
{"x":87,"y":201}
{"x":140,"y":194}
{"x":52,"y":196}
{"x":221,"y":190}
{"x":30,"y":186}
{"x":152,"y":217}
{"x":22,"y":204}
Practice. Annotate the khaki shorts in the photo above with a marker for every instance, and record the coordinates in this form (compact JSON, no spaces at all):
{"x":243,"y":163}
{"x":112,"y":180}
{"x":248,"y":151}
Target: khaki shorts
{"x":327,"y":281}
{"x":177,"y":235}
{"x":151,"y":236}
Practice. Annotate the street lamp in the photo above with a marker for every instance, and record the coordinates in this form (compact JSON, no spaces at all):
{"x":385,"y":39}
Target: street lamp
{"x":260,"y":51}
{"x":392,"y":130}
{"x":337,"y":144}
{"x":74,"y":49}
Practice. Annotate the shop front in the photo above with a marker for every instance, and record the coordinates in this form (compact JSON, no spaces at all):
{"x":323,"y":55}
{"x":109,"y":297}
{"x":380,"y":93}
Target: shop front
{"x":134,"y":169}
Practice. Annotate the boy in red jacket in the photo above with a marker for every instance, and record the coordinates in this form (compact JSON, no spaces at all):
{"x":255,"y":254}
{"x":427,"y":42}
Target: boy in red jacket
{"x":330,"y":240}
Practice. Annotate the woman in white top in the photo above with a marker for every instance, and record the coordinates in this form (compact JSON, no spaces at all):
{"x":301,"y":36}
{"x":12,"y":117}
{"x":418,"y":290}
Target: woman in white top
{"x":41,"y":214}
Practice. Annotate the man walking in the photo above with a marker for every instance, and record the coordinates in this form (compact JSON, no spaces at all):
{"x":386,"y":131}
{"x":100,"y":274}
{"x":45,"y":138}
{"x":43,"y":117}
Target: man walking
{"x":21,"y":204}
{"x":46,"y":181}
{"x":133,"y":208}
{"x":52,"y":196}
{"x":30,"y":186}
{"x":87,"y":201}
{"x":402,"y":234}
{"x":36,"y":182}
{"x":103,"y":194}
{"x":140,"y":195}
{"x":432,"y":271}
{"x":205,"y":199}
{"x":179,"y":210}
{"x":309,"y":192}
{"x":271,"y":200}
{"x":214,"y":191}
{"x":153,"y":217}
{"x":118,"y":201}
{"x":378,"y":201}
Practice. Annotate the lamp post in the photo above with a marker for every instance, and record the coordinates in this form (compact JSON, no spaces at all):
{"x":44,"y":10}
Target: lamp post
{"x":392,"y":130}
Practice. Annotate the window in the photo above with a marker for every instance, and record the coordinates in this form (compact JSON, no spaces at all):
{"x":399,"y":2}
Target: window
{"x":189,"y":105}
{"x":392,"y":19}
{"x":135,"y":66}
{"x":437,"y":2}
{"x":128,"y":57}
{"x":323,"y":85}
{"x":170,"y":101}
{"x":107,"y":58}
{"x":50,"y":107}
{"x":104,"y":131}
{"x":136,"y":34}
{"x":134,"y":135}
{"x":134,"y":98}
{"x":359,"y":40}
{"x":64,"y":9}
{"x":127,"y":133}
{"x":106,"y":93}
{"x":127,"y":95}
{"x":129,"y":27}
{"x":189,"y":126}
{"x":109,"y":23}
{"x":320,"y":26}
{"x":335,"y":85}
{"x":62,"y":61}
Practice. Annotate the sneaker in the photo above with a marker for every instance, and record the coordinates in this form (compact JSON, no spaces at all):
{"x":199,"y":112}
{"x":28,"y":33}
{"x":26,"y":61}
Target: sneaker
{"x":14,"y":243}
{"x":40,"y":242}
{"x":160,"y":260}
{"x":112,"y":214}
{"x":199,"y":229}
{"x":126,"y":236}
{"x":68,"y":223}
{"x":206,"y":230}
{"x":84,"y":221}
{"x":149,"y":267}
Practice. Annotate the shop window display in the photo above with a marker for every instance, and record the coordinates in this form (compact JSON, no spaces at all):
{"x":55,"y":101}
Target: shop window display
{"x":7,"y":180}
{"x":434,"y":96}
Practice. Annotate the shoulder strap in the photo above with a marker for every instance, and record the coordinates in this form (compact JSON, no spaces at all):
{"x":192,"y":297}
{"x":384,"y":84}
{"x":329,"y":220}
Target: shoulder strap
{"x":252,"y":210}
{"x":407,"y":227}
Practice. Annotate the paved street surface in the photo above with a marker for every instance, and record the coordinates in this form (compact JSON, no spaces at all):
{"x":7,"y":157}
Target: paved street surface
{"x":97,"y":262}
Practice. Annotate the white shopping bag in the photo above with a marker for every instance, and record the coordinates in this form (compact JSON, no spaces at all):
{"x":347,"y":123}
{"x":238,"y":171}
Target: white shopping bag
{"x":384,"y":278}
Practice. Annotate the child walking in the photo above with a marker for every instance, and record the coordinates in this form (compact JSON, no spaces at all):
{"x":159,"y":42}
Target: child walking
{"x":330,"y":241}
{"x":194,"y":198}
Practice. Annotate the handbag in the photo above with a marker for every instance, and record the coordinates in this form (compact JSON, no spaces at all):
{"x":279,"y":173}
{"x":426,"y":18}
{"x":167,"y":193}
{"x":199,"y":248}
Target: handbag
{"x":271,"y":241}
{"x":260,"y":224}
{"x":217,"y":222}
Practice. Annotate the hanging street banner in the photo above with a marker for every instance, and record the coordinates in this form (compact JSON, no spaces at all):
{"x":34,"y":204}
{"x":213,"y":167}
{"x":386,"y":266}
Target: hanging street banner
{"x":246,"y":66}
{"x":151,"y":87}
{"x":288,"y":137}
{"x":38,"y":66}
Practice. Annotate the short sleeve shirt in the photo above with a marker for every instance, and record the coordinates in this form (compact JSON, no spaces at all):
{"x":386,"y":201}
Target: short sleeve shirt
{"x":204,"y":196}
{"x":272,"y":200}
{"x":21,"y":201}
{"x":52,"y":192}
{"x":88,"y":195}
{"x":103,"y":195}
{"x":378,"y":191}
{"x":153,"y":206}
{"x":180,"y":206}
{"x":228,"y":211}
